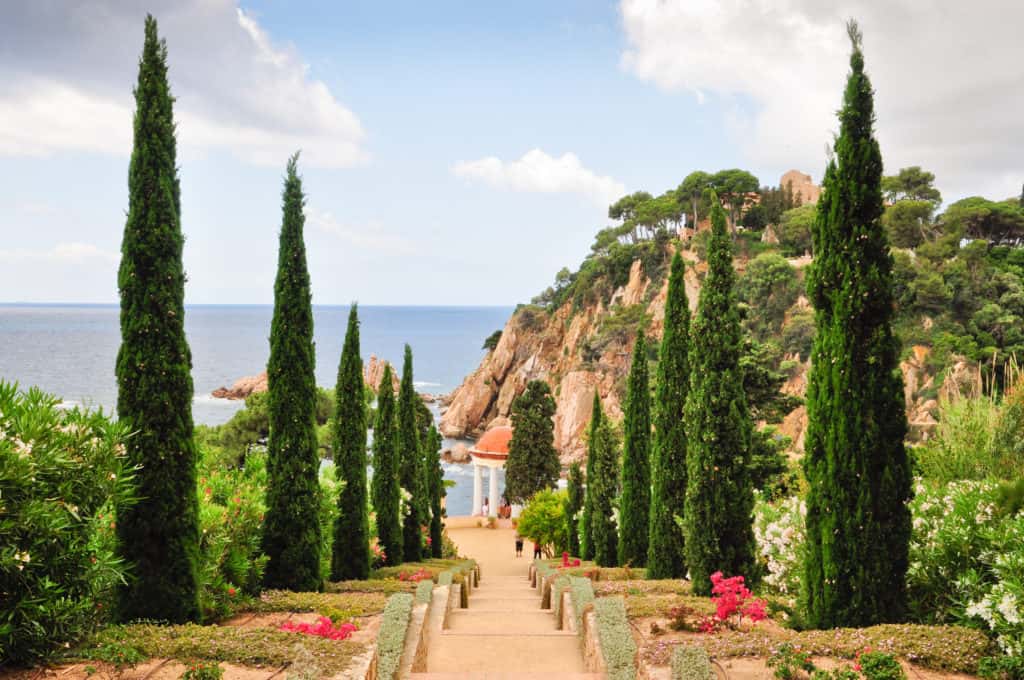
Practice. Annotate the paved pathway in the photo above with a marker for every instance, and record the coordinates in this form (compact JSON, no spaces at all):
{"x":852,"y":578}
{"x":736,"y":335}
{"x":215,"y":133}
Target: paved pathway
{"x":504,"y":634}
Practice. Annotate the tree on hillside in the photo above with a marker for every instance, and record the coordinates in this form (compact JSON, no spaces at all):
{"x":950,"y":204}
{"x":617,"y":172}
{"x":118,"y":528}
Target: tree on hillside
{"x":435,"y":476}
{"x":158,"y":535}
{"x":605,"y":487}
{"x":384,"y":489}
{"x":690,"y":192}
{"x":586,"y":530}
{"x":718,"y":513}
{"x":410,"y":465}
{"x":734,"y":187}
{"x":291,"y":527}
{"x":573,"y":506}
{"x":635,"y":503}
{"x":908,"y":223}
{"x":911,"y":184}
{"x":858,"y":523}
{"x":769,"y":287}
{"x":350,"y":558}
{"x":532,"y":463}
{"x":492,"y":341}
{"x":665,"y":554}
{"x":794,"y":230}
{"x":999,"y":223}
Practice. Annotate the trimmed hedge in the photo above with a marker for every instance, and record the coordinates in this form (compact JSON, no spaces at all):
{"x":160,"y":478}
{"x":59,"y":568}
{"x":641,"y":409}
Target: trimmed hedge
{"x":424,"y":591}
{"x":617,"y":645}
{"x":445,"y":578}
{"x":391,"y":639}
{"x":691,"y":663}
{"x":582,"y":593}
{"x":557,"y":588}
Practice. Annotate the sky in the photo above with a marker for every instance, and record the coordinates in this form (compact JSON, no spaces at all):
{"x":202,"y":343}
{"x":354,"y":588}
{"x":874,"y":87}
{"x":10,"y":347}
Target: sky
{"x":461,"y":153}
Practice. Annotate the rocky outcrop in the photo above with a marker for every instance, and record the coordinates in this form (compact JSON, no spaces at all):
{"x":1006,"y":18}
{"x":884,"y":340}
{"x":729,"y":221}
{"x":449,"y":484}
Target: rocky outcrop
{"x":373,"y":373}
{"x":242,"y":387}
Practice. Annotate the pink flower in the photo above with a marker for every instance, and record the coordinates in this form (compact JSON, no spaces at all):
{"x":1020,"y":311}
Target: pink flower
{"x":322,"y":628}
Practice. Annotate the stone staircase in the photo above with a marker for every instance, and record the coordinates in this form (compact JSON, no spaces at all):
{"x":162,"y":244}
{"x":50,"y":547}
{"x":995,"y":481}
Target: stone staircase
{"x":503,"y":635}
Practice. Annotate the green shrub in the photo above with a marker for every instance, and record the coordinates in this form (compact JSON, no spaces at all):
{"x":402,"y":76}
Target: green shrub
{"x":617,"y":645}
{"x":880,"y":666}
{"x":391,"y":639}
{"x":424,"y":591}
{"x":543,"y":520}
{"x":790,"y":662}
{"x":691,"y":663}
{"x":445,"y":578}
{"x":1002,"y":668}
{"x":582,"y":593}
{"x":202,"y":670}
{"x":557,"y":588}
{"x":61,"y":474}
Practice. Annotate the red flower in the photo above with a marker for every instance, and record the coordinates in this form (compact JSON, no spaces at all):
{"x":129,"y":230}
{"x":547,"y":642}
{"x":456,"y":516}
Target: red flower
{"x":231,"y":592}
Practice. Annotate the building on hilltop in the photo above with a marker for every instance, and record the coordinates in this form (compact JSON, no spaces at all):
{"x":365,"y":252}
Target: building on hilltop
{"x":803,"y":189}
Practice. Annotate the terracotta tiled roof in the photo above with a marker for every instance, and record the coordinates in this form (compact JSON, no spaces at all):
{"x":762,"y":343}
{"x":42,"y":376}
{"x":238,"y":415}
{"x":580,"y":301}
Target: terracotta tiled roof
{"x":495,"y":440}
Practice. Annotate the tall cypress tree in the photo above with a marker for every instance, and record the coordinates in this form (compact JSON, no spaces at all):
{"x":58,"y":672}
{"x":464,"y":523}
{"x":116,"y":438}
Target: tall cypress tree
{"x":291,"y":528}
{"x":635,"y":503}
{"x":666,"y":556}
{"x":350,"y":556}
{"x":718,"y":512}
{"x":411,"y":464}
{"x":858,"y":523}
{"x":573,"y":505}
{"x":587,"y":532}
{"x":435,"y":477}
{"x":532,"y":460}
{"x":605,"y":487}
{"x":384,"y":489}
{"x":159,"y":535}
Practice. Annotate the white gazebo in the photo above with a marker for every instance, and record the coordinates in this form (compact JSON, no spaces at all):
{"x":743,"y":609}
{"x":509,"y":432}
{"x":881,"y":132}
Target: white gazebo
{"x":491,"y":452}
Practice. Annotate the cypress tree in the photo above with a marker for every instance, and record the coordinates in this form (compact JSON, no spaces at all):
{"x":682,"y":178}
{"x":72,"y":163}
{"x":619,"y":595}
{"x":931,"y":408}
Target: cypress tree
{"x":605,"y":487}
{"x":350,"y":557}
{"x":587,"y":533}
{"x":532,"y":460}
{"x":291,"y":528}
{"x":573,"y":505}
{"x":435,"y":475}
{"x":666,"y":555}
{"x":858,"y":523}
{"x":718,"y":511}
{"x":635,"y":503}
{"x":411,"y":464}
{"x":159,"y":535}
{"x":384,"y":489}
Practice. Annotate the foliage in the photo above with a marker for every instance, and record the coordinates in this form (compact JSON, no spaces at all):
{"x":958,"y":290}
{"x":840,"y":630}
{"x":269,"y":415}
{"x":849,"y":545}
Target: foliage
{"x":543,"y":520}
{"x":769,"y":286}
{"x":291,"y":529}
{"x":202,"y":670}
{"x":616,"y":637}
{"x":573,"y":506}
{"x":410,"y":466}
{"x":794,"y":230}
{"x":911,"y":184}
{"x":691,"y":663}
{"x":587,"y":545}
{"x":1001,"y":668}
{"x":435,"y":478}
{"x":635,"y":500}
{"x":532,"y":460}
{"x":798,"y":333}
{"x":998,"y":223}
{"x":719,"y":496}
{"x":337,"y":606}
{"x":790,"y":662}
{"x":158,"y":535}
{"x":61,"y":474}
{"x":391,"y":638}
{"x":908,"y":223}
{"x":424,"y":591}
{"x":691,"y":191}
{"x":763,"y":377}
{"x":666,"y":555}
{"x":350,"y":555}
{"x":604,"y":487}
{"x":858,"y":526}
{"x":779,"y":532}
{"x":880,"y":666}
{"x":494,"y":338}
{"x":581,"y":591}
{"x":384,"y":489}
{"x":734,"y":187}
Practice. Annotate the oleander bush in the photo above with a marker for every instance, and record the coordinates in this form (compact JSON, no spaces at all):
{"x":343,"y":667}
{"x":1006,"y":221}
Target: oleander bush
{"x":617,"y":645}
{"x":391,"y":638}
{"x":691,"y":663}
{"x":61,"y":474}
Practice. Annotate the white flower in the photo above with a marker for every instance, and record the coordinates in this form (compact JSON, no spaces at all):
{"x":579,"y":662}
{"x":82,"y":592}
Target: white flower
{"x":1008,"y":608}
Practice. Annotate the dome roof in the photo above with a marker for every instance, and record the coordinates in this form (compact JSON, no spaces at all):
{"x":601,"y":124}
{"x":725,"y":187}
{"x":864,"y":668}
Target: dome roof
{"x":494,"y":442}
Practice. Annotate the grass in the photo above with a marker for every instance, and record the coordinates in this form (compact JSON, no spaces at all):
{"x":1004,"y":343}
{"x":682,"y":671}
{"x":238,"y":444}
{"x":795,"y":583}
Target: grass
{"x":337,"y":607}
{"x":242,"y":646}
{"x":388,"y":586}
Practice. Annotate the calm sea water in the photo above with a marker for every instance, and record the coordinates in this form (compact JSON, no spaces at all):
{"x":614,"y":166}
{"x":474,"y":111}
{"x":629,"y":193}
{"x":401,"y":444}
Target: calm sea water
{"x":69,"y":350}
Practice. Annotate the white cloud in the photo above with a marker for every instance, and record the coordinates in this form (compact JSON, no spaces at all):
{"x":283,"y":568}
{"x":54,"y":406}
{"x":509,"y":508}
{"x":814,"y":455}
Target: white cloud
{"x":235,"y":89}
{"x":371,"y":236}
{"x":949,"y":79}
{"x":67,"y":253}
{"x":538,"y":172}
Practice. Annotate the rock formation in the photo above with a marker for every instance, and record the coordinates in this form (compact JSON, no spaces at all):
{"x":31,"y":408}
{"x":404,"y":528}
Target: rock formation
{"x":373,"y":372}
{"x":243,"y":387}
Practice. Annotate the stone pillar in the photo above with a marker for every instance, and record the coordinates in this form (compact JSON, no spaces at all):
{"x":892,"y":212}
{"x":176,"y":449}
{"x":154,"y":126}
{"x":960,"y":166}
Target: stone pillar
{"x":478,"y":489}
{"x":492,"y":502}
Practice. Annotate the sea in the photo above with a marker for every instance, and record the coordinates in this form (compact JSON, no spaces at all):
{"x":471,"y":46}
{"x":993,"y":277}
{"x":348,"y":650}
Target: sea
{"x":70,"y":351}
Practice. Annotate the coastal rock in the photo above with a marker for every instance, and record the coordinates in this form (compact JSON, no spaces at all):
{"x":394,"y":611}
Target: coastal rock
{"x":460,"y":453}
{"x":242,"y":387}
{"x":373,"y":373}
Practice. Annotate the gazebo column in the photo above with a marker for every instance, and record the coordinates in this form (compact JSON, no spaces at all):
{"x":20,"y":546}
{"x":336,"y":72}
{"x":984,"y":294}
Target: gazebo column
{"x":478,"y":489}
{"x":492,"y":502}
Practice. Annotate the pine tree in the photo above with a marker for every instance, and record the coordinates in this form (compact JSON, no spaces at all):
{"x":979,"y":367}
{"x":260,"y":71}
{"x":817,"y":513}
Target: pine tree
{"x":532,"y":463}
{"x":605,"y":487}
{"x":435,"y":475}
{"x":587,"y":533}
{"x":291,"y":527}
{"x":718,"y":511}
{"x":384,"y":489}
{"x":573,"y":505}
{"x":666,"y":556}
{"x":159,"y":535}
{"x":350,"y":557}
{"x":858,"y":523}
{"x":635,"y":503}
{"x":411,"y":464}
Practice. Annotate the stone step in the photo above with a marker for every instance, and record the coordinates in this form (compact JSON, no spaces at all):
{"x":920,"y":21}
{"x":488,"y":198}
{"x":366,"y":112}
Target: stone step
{"x":554,"y":652}
{"x":516,"y":603}
{"x":506,"y":675}
{"x":508,"y":622}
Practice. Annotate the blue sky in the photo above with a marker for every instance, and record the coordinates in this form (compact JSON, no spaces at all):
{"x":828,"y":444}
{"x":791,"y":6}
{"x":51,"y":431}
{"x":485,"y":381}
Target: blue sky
{"x":453,"y":152}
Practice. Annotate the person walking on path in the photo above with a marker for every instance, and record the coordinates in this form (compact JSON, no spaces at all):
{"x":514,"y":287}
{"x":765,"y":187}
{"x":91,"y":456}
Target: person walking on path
{"x":519,"y":545}
{"x":537,"y":551}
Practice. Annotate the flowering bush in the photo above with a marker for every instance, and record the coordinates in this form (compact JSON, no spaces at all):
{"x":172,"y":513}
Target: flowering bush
{"x":567,"y":563}
{"x":203,"y":670}
{"x":732,"y":598}
{"x":61,"y":475}
{"x":779,"y":531}
{"x":323,"y":627}
{"x":416,"y":576}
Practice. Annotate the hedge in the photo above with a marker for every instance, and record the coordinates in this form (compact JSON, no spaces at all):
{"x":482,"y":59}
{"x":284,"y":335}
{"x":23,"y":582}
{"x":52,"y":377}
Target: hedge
{"x":424,"y":591}
{"x":691,"y":663}
{"x":582,"y":593}
{"x":557,"y":588}
{"x":445,"y":578}
{"x":391,"y":639}
{"x":616,"y":637}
